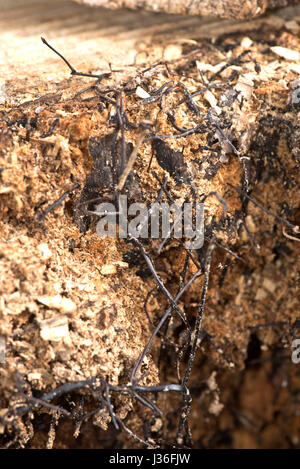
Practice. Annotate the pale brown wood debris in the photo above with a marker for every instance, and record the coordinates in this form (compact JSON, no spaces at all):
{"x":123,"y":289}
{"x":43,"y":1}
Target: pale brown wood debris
{"x":238,"y":9}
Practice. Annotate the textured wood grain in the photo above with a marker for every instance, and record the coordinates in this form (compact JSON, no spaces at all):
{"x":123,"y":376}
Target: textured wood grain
{"x":238,"y":9}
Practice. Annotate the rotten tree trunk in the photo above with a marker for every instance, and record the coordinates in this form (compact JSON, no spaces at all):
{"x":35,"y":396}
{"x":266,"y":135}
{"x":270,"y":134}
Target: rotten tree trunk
{"x":240,"y":9}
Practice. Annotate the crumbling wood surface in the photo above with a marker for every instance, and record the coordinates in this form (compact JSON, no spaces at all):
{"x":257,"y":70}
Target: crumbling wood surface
{"x":72,"y":304}
{"x":242,"y":9}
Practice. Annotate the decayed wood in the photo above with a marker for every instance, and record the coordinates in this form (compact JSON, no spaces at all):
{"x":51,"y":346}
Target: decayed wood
{"x":92,"y":37}
{"x":240,"y":9}
{"x":74,"y":306}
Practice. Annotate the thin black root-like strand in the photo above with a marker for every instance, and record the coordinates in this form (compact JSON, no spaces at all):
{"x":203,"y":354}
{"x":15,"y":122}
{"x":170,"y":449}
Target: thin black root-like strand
{"x":196,"y":335}
{"x":40,"y":402}
{"x":189,"y":99}
{"x":146,"y":303}
{"x":236,"y":61}
{"x":133,"y":435}
{"x":201,"y":128}
{"x":163,"y":334}
{"x":253,"y":240}
{"x":163,"y":186}
{"x":209,"y":337}
{"x":109,"y":407}
{"x":134,"y":375}
{"x":158,"y":94}
{"x":160,"y":283}
{"x":233,"y":254}
{"x":101,"y":390}
{"x":51,"y":128}
{"x":295,"y":228}
{"x":220,"y":199}
{"x":147,"y":403}
{"x":57,"y":203}
{"x":73,"y":70}
{"x":64,"y":389}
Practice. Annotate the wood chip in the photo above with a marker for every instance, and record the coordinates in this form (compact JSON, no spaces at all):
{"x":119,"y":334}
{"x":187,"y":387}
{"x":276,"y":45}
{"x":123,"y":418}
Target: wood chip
{"x":287,"y":54}
{"x":54,"y":329}
{"x":141,"y":93}
{"x":59,"y":302}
